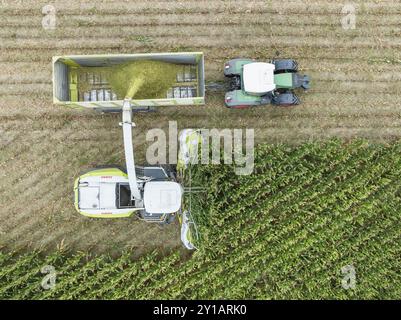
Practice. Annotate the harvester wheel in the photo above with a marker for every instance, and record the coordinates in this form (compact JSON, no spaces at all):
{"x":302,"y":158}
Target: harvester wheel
{"x":136,"y":109}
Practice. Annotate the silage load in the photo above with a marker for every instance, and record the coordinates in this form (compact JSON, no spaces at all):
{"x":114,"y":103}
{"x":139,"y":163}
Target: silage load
{"x":143,"y":79}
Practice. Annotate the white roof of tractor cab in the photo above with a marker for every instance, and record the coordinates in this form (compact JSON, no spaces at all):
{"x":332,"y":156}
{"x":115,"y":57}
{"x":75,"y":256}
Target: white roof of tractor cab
{"x":162,"y":197}
{"x":258,"y":77}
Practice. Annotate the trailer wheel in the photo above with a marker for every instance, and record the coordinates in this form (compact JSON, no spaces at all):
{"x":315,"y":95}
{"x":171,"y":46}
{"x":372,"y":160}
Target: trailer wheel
{"x":103,"y":166}
{"x":235,"y":83}
{"x":239,"y":107}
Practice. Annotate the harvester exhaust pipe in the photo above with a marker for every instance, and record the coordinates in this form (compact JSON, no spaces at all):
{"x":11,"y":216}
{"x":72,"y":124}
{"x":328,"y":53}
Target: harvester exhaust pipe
{"x":127,"y":125}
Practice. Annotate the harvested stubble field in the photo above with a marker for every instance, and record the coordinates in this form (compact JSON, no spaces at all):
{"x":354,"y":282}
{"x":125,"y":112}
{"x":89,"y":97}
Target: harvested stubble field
{"x":355,"y":92}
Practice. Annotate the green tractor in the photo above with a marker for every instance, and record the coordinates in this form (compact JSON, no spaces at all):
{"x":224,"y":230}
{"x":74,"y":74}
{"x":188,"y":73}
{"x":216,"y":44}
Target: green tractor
{"x":254,"y":83}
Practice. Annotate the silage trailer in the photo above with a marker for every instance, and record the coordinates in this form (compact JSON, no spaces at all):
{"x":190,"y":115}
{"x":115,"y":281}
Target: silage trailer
{"x":129,"y":83}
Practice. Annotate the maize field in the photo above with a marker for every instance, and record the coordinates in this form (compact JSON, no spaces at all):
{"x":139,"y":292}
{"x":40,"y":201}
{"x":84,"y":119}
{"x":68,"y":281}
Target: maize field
{"x":285,"y":232}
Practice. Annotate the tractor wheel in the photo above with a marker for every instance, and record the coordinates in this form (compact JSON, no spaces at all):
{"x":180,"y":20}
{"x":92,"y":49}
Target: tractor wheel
{"x":285,"y":65}
{"x":286,"y":99}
